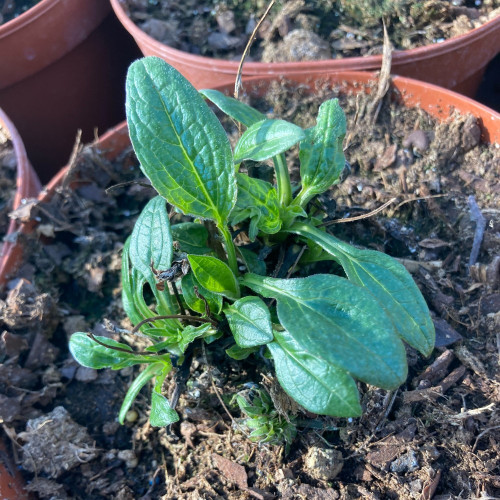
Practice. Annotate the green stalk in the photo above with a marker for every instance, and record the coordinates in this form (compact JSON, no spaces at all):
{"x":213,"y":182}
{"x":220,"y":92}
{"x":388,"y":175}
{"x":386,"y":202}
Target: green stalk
{"x":230,"y":249}
{"x":303,"y":198}
{"x":283,"y":180}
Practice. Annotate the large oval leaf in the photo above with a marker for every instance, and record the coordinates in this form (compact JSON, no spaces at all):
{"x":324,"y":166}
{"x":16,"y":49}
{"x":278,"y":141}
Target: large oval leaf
{"x":338,"y":322}
{"x":214,"y":275}
{"x":179,"y":142}
{"x":250,"y":322}
{"x":237,"y":110}
{"x":315,"y":384}
{"x":321,"y":155}
{"x":387,"y":280}
{"x":266,"y":139}
{"x":151,"y":240}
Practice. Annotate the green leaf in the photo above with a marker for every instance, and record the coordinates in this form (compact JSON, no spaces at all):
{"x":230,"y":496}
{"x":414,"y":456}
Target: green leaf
{"x":140,"y":381}
{"x":289,"y":213}
{"x":237,"y":110}
{"x":214,"y":275}
{"x":179,"y":142}
{"x":250,"y":322}
{"x":191,"y":237}
{"x":318,"y":386}
{"x":161,"y":413}
{"x":387,"y":280}
{"x":338,"y":322}
{"x":321,"y":155}
{"x":135,"y":307}
{"x":252,"y":261}
{"x":266,"y":139}
{"x":214,"y":301}
{"x":151,"y":240}
{"x":93,"y":355}
{"x":128,"y":287}
{"x":239,"y":353}
{"x":191,"y":333}
{"x":257,"y":200}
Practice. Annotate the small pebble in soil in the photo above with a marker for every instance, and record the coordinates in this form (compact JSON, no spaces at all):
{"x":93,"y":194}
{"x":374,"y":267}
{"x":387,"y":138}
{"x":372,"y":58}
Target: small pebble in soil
{"x":131,"y":416}
{"x":129,"y":457}
{"x":323,"y":464}
{"x":407,"y":462}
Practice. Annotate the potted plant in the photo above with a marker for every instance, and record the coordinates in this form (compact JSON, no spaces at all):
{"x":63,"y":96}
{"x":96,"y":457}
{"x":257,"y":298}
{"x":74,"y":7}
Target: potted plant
{"x":136,"y":417}
{"x":434,"y":63}
{"x":60,"y":65}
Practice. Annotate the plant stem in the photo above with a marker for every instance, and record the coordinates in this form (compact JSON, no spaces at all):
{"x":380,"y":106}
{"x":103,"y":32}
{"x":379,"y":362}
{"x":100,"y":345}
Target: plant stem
{"x":197,"y":319}
{"x":283,"y":180}
{"x":230,"y":249}
{"x":303,"y":198}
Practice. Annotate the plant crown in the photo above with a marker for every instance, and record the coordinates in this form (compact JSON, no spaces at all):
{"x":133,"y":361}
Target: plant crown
{"x":323,"y":331}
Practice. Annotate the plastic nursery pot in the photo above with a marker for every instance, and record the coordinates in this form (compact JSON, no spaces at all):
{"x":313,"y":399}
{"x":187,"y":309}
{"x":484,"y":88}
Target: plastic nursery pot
{"x":27,"y":186}
{"x":62,"y":68}
{"x":457,"y":63}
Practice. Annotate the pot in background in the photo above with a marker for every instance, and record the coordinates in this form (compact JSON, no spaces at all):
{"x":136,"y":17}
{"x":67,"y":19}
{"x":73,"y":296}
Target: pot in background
{"x":27,"y":186}
{"x":457,"y":63}
{"x":62,"y":68}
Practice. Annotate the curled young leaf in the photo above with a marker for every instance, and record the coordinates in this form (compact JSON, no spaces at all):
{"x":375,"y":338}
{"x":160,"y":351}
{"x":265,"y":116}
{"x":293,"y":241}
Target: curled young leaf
{"x":266,"y":139}
{"x":257,"y":200}
{"x":151,"y":240}
{"x":237,"y":110}
{"x":321,"y":155}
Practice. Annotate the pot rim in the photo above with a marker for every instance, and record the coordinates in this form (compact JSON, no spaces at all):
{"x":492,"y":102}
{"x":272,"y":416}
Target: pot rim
{"x":366,"y":63}
{"x":27,"y":17}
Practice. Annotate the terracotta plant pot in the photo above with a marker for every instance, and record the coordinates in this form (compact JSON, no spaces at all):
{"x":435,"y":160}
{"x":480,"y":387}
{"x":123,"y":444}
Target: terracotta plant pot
{"x":438,"y":102}
{"x":28,"y":186}
{"x":11,"y":481}
{"x":457,"y":63}
{"x":62,"y":67}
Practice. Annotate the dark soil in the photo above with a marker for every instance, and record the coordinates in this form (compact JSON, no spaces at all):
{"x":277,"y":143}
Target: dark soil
{"x":299,"y":30}
{"x":436,"y":437}
{"x":11,"y":9}
{"x":8,"y":174}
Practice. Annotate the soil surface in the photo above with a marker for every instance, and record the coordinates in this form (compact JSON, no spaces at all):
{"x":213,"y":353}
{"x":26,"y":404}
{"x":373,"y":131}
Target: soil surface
{"x":8,"y":174}
{"x":10,"y":9}
{"x":299,"y":30}
{"x":435,"y":437}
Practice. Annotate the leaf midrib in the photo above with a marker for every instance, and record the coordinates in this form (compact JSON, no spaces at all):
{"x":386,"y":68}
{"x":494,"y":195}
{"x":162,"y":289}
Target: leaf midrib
{"x":186,"y":156}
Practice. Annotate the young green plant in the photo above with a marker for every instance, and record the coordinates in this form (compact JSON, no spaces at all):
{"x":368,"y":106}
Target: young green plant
{"x":323,"y":331}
